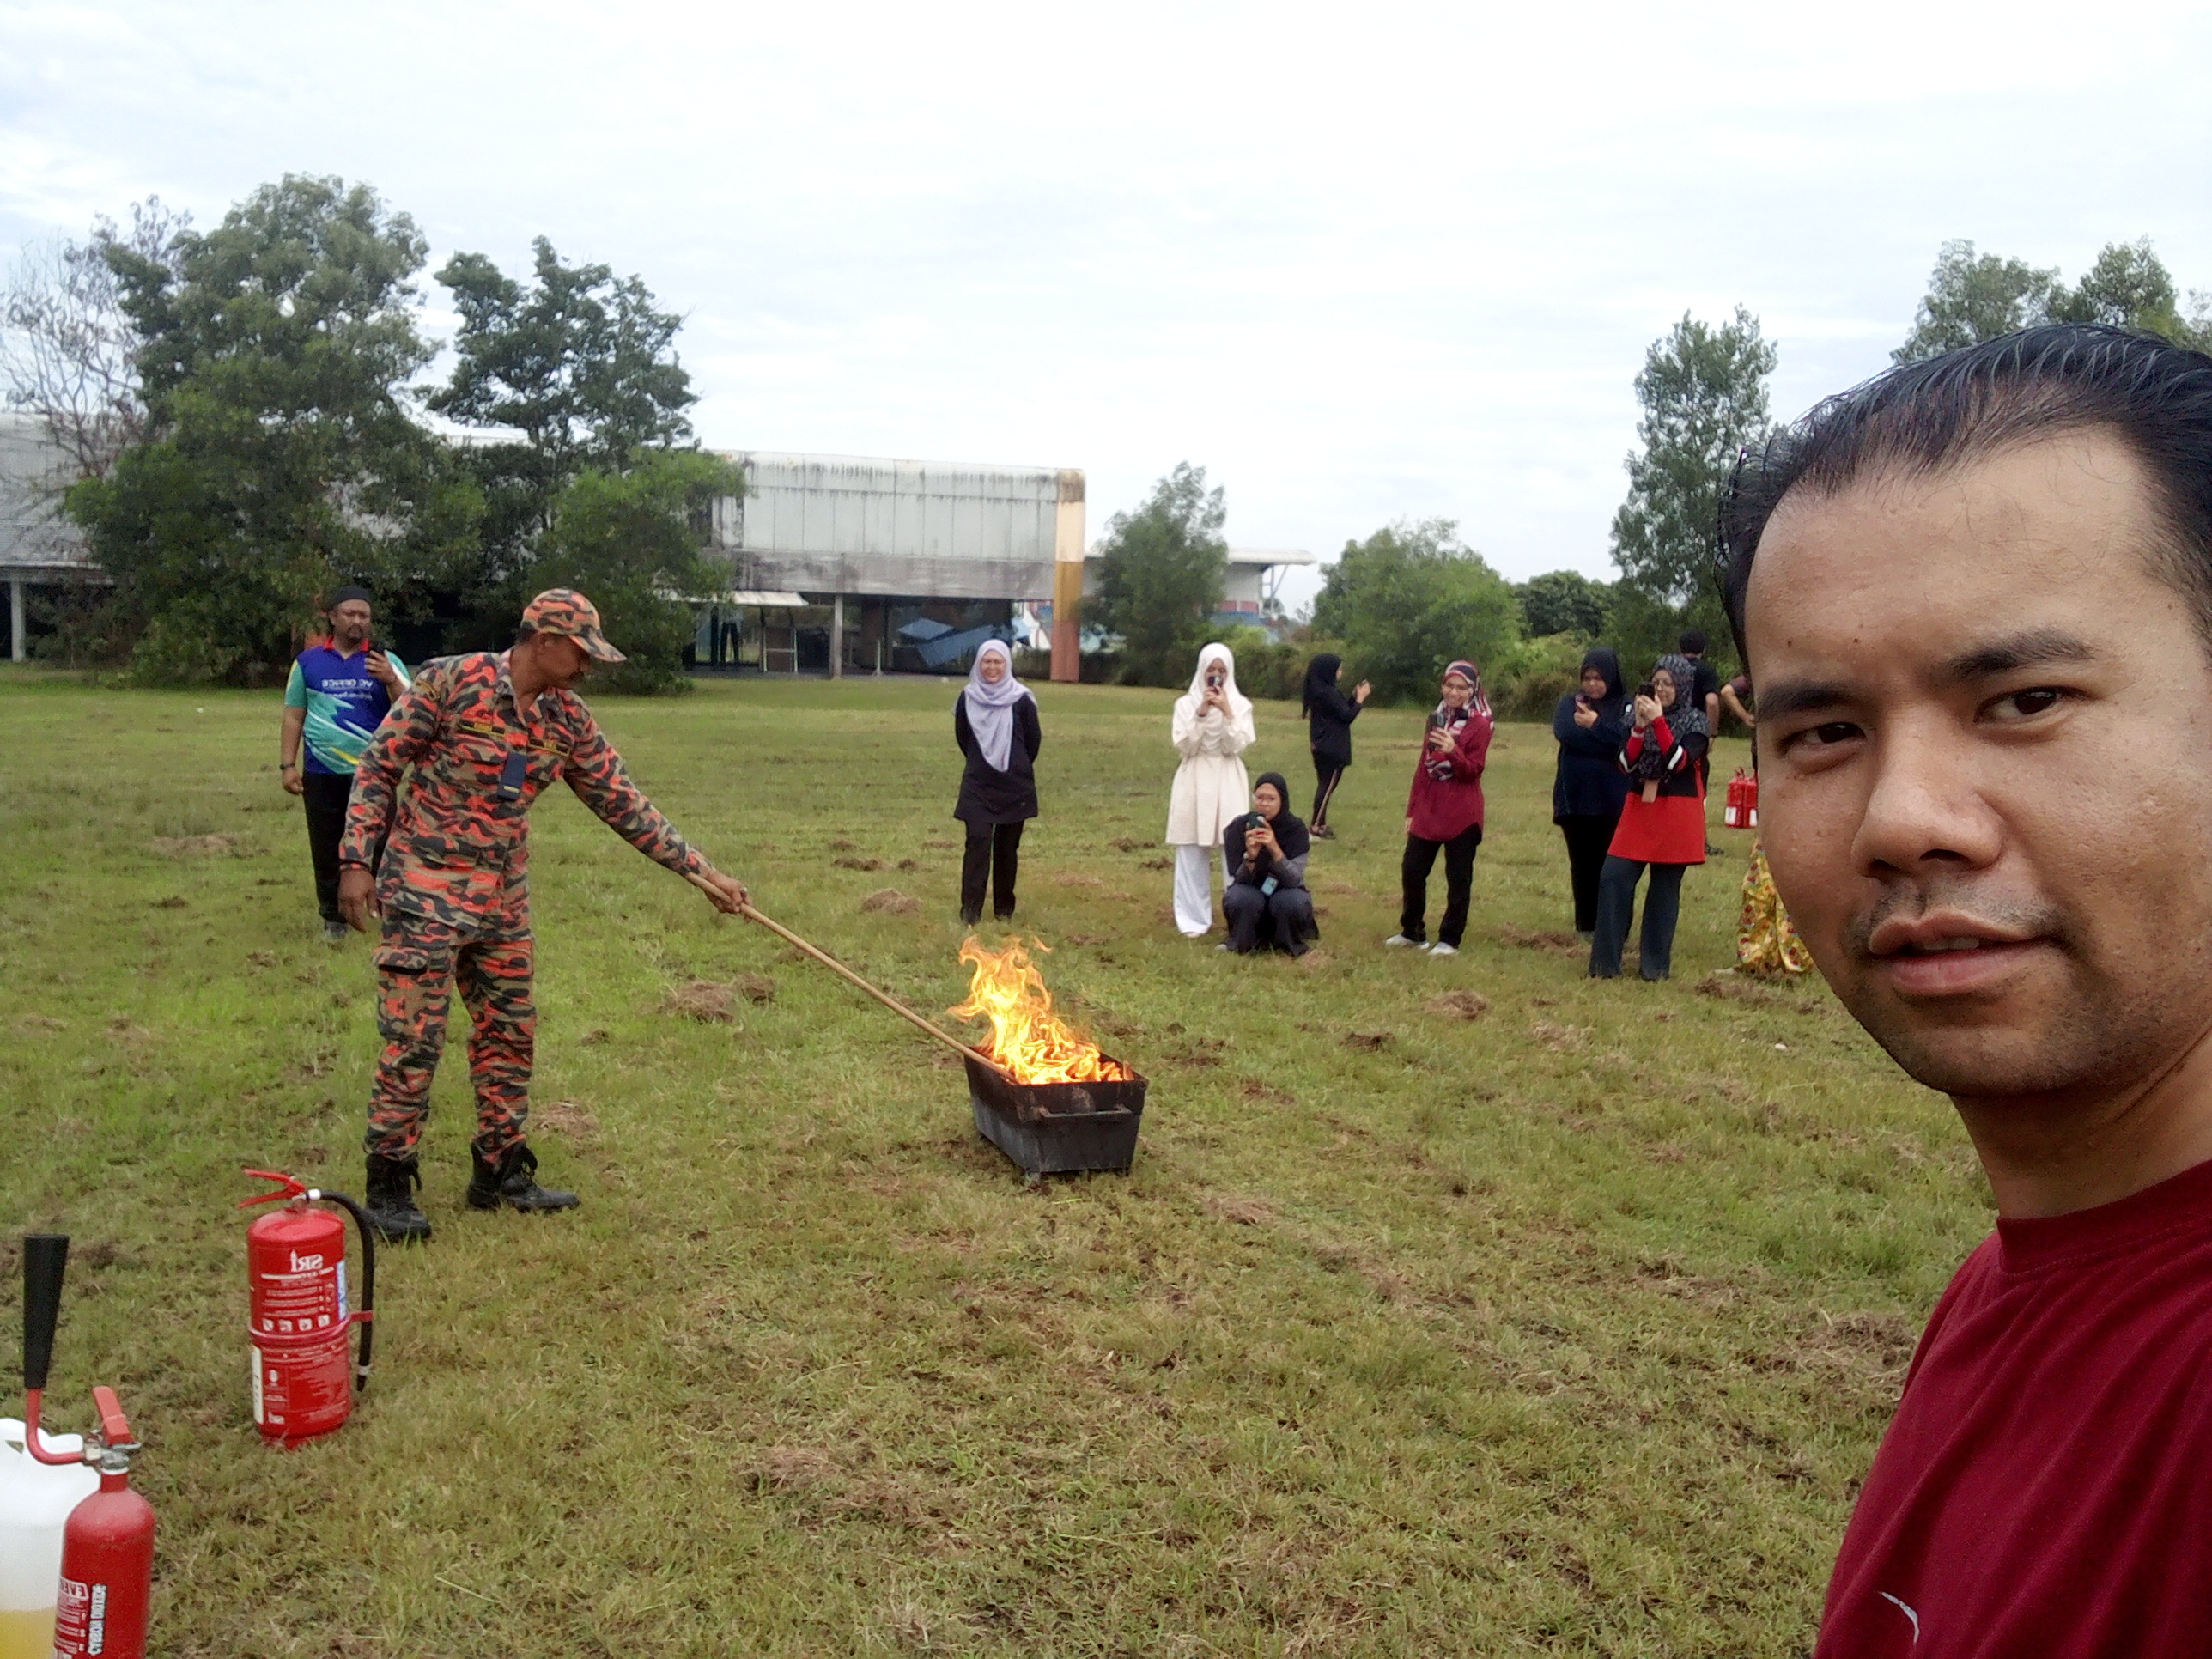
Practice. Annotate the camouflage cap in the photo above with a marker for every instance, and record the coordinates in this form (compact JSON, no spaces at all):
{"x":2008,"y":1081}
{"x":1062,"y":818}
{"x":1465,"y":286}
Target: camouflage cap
{"x":564,"y":611}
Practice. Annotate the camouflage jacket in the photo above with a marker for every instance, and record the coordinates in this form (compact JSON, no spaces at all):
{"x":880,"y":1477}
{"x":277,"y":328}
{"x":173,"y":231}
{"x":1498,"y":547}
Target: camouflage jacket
{"x":456,"y":844}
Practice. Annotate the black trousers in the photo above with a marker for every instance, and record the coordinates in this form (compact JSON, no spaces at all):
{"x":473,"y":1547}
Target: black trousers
{"x":994,"y":852}
{"x":1588,"y":838}
{"x":1327,"y":773}
{"x":1662,"y":907}
{"x":1459,"y":885}
{"x":325,"y":794}
{"x":1283,"y":919}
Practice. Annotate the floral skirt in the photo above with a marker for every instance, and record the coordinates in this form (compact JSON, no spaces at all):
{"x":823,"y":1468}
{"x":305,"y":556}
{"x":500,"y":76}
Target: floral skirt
{"x":1766,"y":943}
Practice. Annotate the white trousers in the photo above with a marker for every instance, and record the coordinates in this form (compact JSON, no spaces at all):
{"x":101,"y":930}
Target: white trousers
{"x":1193,"y":888}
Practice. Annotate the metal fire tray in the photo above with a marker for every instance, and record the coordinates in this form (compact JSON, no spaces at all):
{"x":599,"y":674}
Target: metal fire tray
{"x":1050,"y":1128}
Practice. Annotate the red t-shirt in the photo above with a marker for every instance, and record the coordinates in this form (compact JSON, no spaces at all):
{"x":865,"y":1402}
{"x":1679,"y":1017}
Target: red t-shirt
{"x":2046,"y":1485}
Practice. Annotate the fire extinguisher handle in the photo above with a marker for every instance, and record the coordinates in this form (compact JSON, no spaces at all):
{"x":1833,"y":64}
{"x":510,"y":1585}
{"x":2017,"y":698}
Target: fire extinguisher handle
{"x":114,"y":1426}
{"x":365,"y":1315}
{"x":45,"y":1257}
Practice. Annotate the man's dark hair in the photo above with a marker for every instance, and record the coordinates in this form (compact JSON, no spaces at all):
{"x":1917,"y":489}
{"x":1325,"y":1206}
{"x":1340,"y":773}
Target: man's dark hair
{"x":1693,"y":642}
{"x":1969,"y":404}
{"x":524,"y":635}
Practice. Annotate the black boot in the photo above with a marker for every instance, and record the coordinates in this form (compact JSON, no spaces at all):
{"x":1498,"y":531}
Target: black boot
{"x":510,"y":1181}
{"x":390,"y":1203}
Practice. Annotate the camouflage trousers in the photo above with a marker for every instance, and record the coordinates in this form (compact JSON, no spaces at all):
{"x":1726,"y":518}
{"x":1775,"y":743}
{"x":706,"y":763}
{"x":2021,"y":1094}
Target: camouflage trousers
{"x":419,"y":963}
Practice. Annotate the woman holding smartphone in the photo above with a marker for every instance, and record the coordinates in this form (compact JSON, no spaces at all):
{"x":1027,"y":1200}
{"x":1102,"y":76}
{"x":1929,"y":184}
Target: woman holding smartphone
{"x":995,"y":723}
{"x":1444,"y":813}
{"x":1663,"y":823}
{"x":1212,"y":729}
{"x":1590,"y":725}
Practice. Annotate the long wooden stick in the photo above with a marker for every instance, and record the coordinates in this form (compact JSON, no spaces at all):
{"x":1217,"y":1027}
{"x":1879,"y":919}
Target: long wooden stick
{"x":837,"y":967}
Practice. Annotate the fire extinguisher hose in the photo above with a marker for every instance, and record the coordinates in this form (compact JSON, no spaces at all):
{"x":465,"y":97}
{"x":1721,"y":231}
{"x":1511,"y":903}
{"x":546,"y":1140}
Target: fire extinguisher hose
{"x":366,"y":1316}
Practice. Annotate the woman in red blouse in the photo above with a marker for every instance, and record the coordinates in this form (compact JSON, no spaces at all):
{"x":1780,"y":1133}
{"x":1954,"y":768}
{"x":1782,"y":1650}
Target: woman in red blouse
{"x":1663,"y":824}
{"x":1443,"y":812}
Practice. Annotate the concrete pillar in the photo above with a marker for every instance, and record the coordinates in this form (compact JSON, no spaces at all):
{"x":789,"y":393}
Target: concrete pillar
{"x":14,"y":619}
{"x":1067,"y":579}
{"x":836,"y":636}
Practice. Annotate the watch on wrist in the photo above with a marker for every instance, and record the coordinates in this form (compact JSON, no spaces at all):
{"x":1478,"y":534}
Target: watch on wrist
{"x":287,"y":766}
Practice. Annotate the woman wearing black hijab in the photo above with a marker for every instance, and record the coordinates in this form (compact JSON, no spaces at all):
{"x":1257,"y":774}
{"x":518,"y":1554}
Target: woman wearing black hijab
{"x":1587,"y":792}
{"x":1266,"y":901}
{"x":1329,"y":714}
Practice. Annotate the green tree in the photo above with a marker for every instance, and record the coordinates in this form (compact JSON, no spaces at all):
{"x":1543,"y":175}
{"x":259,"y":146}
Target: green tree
{"x":1411,"y":599}
{"x":630,"y":540}
{"x":580,"y":363}
{"x":1161,"y":570}
{"x":278,"y":459}
{"x":2128,"y":287}
{"x":1562,"y":602}
{"x":1703,"y":394}
{"x":1972,"y":297}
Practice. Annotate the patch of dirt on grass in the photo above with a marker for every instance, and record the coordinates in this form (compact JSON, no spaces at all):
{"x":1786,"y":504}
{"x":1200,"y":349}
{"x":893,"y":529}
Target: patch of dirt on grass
{"x":1083,"y":939}
{"x":1747,"y":988}
{"x":262,"y":958}
{"x":565,"y":1118}
{"x":701,"y":1000}
{"x":1315,"y":957}
{"x":940,"y":846}
{"x":1560,"y":1039}
{"x":857,"y":863}
{"x":786,"y":1468}
{"x":592,"y":1038}
{"x":910,"y":863}
{"x":172,"y":903}
{"x":38,"y":1025}
{"x":890,"y":902}
{"x":1368,"y":1041}
{"x":1129,"y":843}
{"x":1159,"y":863}
{"x":1253,"y":1088}
{"x":1077,"y":879}
{"x":201,"y":847}
{"x":1460,"y":1004}
{"x":1244,"y":1212}
{"x":1532,"y":939}
{"x":841,"y":845}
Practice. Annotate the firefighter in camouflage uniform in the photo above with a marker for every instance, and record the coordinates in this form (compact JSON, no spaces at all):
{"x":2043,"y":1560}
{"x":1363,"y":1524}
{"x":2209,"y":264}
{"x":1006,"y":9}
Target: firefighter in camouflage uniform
{"x":445,"y":866}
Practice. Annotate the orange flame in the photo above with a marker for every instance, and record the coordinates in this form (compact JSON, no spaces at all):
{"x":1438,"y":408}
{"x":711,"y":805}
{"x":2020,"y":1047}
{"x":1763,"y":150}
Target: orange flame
{"x":1028,"y":1041}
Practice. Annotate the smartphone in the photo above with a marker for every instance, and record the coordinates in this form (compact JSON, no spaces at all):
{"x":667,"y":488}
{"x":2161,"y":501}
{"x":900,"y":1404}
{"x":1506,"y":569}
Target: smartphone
{"x":1649,"y":689}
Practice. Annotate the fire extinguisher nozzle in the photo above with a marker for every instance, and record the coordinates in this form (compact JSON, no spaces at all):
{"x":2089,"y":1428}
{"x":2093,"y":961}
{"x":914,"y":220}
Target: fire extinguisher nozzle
{"x":46,"y":1257}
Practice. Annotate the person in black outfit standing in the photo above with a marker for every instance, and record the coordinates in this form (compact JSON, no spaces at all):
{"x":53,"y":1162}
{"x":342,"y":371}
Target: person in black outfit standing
{"x":995,"y":720}
{"x":1329,"y":714}
{"x":1587,"y":791}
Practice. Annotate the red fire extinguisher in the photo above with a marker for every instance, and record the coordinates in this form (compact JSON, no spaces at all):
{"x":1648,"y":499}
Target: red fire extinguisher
{"x":107,"y":1543}
{"x":298,"y":1325}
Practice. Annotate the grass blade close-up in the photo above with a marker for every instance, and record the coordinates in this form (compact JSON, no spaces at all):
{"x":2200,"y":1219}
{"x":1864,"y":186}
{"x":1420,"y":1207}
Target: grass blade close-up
{"x":1560,"y":1317}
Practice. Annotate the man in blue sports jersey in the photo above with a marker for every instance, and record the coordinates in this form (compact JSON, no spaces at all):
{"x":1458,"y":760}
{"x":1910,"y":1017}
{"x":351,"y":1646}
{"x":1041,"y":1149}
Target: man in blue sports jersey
{"x":338,"y":695}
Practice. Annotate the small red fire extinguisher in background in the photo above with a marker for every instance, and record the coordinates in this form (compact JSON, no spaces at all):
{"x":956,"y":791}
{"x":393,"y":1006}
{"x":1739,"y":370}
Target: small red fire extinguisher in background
{"x":298,"y":1323}
{"x":107,"y":1544}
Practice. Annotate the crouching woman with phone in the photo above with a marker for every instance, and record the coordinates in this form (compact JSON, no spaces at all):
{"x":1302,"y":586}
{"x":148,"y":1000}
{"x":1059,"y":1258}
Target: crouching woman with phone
{"x":1265,"y":851}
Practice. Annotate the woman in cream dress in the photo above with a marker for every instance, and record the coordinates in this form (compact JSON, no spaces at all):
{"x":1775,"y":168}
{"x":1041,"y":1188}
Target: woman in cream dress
{"x":1212,"y":729}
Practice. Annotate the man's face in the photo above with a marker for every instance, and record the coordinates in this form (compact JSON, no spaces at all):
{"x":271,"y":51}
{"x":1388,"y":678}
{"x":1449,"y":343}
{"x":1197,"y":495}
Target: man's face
{"x":1985,"y":745}
{"x":561,"y":660}
{"x":350,"y":622}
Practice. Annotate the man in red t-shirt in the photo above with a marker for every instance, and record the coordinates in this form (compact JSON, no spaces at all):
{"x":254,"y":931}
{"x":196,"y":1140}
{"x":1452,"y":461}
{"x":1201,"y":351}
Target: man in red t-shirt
{"x":1975,"y":595}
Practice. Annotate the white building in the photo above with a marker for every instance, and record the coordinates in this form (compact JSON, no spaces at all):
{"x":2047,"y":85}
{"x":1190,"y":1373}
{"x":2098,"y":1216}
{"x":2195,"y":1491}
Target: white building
{"x":38,"y":545}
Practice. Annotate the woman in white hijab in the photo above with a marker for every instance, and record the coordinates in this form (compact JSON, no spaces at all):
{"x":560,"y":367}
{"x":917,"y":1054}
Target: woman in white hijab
{"x":1213,"y":728}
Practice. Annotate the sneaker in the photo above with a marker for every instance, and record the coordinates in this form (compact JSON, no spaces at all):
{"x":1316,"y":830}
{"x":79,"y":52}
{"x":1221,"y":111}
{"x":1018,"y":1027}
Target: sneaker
{"x":1221,"y":947}
{"x":334,"y":932}
{"x":1443,"y":950}
{"x":1320,"y":832}
{"x":1399,"y":942}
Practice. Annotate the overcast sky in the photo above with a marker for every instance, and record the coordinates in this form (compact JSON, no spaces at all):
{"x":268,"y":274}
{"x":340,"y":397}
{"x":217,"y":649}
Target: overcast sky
{"x":1360,"y":262}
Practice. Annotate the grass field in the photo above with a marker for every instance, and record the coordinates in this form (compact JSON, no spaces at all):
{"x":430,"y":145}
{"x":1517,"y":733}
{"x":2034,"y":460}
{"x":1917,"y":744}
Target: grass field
{"x":1570,"y":1329}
